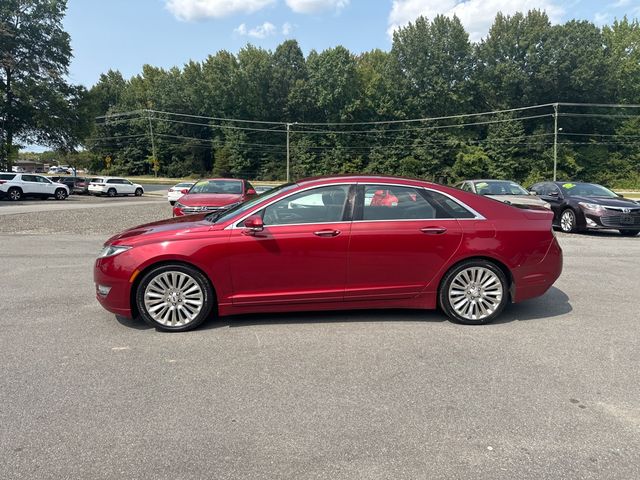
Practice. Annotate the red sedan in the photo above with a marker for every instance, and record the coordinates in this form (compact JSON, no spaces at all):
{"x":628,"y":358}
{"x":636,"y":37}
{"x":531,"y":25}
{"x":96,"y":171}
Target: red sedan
{"x":212,"y":195}
{"x":323,"y":244}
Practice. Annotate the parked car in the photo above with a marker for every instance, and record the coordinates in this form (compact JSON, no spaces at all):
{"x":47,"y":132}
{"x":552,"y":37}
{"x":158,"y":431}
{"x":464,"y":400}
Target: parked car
{"x":75,"y":184}
{"x":579,"y":206}
{"x":114,"y":186}
{"x":505,"y":191}
{"x":260,"y":189}
{"x":321,"y":244}
{"x":16,"y":186}
{"x":64,"y":170}
{"x":213,"y":194}
{"x":178,"y":191}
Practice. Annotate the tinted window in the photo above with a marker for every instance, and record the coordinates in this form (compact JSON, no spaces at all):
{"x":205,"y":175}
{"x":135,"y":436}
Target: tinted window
{"x":42,"y":179}
{"x":384,"y":202}
{"x":587,"y":190}
{"x":318,"y":205}
{"x":29,"y":178}
{"x":446,"y":207}
{"x":7,"y":176}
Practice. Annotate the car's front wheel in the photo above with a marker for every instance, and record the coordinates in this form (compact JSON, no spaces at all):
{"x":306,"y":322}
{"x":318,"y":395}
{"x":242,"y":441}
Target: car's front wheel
{"x":174,"y":298}
{"x":629,"y":233}
{"x":60,"y":194}
{"x":138,"y":192}
{"x":474,"y":292}
{"x":568,"y":221}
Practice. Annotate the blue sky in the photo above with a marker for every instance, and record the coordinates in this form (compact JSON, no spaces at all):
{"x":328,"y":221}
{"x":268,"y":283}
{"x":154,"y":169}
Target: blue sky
{"x":126,"y":34}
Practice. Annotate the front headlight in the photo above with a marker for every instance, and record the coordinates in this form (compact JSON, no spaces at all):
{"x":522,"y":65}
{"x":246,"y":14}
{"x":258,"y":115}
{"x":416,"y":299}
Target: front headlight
{"x":593,"y":207}
{"x":178,"y":205}
{"x":111,"y":250}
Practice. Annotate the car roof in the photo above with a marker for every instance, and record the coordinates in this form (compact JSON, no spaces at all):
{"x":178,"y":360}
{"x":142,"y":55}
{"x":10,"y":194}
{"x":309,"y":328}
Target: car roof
{"x":215,"y":179}
{"x":363,"y":179}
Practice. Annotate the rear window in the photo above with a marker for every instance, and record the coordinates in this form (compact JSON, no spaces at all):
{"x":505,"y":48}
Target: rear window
{"x":7,"y":176}
{"x":97,"y":180}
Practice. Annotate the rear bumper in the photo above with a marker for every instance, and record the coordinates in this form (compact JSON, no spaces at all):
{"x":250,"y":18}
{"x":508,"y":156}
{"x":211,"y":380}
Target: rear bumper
{"x":534,"y":281}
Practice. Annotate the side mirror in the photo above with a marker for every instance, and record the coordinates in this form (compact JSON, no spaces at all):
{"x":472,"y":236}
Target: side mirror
{"x":253,"y":225}
{"x":251,"y":191}
{"x":184,"y":191}
{"x":620,"y":195}
{"x":531,"y":192}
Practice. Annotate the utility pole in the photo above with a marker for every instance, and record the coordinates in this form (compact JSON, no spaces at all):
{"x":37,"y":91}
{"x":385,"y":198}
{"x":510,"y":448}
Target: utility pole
{"x":153,"y":144}
{"x":555,"y":141}
{"x":288,"y":157}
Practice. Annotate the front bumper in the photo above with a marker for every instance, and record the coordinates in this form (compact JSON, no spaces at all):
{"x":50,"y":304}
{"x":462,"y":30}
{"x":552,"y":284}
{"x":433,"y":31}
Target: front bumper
{"x":118,"y":300}
{"x":611,"y":220}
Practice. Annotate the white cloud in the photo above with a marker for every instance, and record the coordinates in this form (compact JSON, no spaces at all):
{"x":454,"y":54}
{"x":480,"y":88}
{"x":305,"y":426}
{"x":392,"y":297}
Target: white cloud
{"x":261,"y":31}
{"x":601,"y":18}
{"x":316,"y":6}
{"x":476,"y":15}
{"x":189,"y":10}
{"x":287,"y":28}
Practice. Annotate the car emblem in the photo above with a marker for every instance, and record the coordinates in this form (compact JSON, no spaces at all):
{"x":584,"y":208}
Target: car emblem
{"x":626,"y":210}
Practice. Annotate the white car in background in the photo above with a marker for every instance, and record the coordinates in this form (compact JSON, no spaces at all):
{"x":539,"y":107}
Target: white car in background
{"x":114,"y":186}
{"x":177,"y":191}
{"x":16,"y":186}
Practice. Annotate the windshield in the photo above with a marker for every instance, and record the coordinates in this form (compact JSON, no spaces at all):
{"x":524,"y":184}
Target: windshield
{"x":587,"y":190}
{"x":221,"y":217}
{"x":229,"y":187}
{"x":492,"y":187}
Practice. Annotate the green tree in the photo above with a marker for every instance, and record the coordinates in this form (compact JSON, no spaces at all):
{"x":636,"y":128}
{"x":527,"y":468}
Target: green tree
{"x":37,"y":104}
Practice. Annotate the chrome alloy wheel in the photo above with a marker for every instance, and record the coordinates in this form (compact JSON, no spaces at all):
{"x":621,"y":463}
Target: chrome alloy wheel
{"x":173,"y":298}
{"x":475,"y":293}
{"x":567,"y":221}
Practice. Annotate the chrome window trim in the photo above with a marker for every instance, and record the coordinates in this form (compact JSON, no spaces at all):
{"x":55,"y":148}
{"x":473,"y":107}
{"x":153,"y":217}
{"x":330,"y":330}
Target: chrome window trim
{"x":477,"y":215}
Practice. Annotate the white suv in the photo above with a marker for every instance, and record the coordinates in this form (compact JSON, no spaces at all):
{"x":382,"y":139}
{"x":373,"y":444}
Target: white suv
{"x":113,"y":186}
{"x":16,"y":186}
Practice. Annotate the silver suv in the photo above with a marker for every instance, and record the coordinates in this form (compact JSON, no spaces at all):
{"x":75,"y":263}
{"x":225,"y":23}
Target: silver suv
{"x":16,"y":186}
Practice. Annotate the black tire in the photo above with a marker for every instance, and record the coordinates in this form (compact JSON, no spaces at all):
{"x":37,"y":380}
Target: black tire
{"x":138,"y":192}
{"x":496,"y":303}
{"x":14,"y":194}
{"x":112,"y":192}
{"x":568,"y":221}
{"x":60,"y":194}
{"x":208,"y":299}
{"x":628,"y":233}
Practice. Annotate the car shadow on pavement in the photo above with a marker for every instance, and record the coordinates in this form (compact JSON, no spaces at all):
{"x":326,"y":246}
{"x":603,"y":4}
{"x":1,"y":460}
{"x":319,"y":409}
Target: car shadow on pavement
{"x":554,"y":303}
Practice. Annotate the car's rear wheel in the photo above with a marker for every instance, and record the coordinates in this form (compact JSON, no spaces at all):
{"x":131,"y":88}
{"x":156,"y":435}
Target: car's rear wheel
{"x":60,"y":194}
{"x":629,"y":233}
{"x":568,"y":221}
{"x":112,"y":192}
{"x":15,"y":194}
{"x":474,"y":292}
{"x":138,"y":192}
{"x":174,"y":298}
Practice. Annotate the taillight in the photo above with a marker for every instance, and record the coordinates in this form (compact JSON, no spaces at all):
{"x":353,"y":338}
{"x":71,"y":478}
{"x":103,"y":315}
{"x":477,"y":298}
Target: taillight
{"x":2,"y":181}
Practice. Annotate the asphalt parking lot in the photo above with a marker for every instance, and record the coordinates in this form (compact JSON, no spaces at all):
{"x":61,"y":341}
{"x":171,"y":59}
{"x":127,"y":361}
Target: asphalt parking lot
{"x":550,"y":391}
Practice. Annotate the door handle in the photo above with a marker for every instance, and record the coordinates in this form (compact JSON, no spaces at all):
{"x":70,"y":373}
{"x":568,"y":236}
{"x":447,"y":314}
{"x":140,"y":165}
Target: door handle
{"x":433,"y":230}
{"x":327,"y":233}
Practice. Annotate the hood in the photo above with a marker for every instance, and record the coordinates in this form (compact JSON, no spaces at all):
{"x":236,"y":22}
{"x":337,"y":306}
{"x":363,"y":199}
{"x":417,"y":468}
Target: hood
{"x":184,"y":224}
{"x":519,"y":199}
{"x":209,"y":199}
{"x":608,"y":202}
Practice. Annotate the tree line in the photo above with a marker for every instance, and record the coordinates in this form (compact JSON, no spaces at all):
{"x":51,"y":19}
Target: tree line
{"x":186,"y":120}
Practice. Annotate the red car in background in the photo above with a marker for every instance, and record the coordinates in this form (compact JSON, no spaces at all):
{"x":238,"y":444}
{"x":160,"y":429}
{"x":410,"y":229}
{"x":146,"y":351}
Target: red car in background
{"x":212,"y":195}
{"x":325,"y":244}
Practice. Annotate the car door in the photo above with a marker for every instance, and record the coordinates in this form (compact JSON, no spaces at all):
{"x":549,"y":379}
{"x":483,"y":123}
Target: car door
{"x":128,"y":187}
{"x":300,"y":256}
{"x":45,"y":185}
{"x":397,"y":248}
{"x":550,"y":193}
{"x":31,"y":186}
